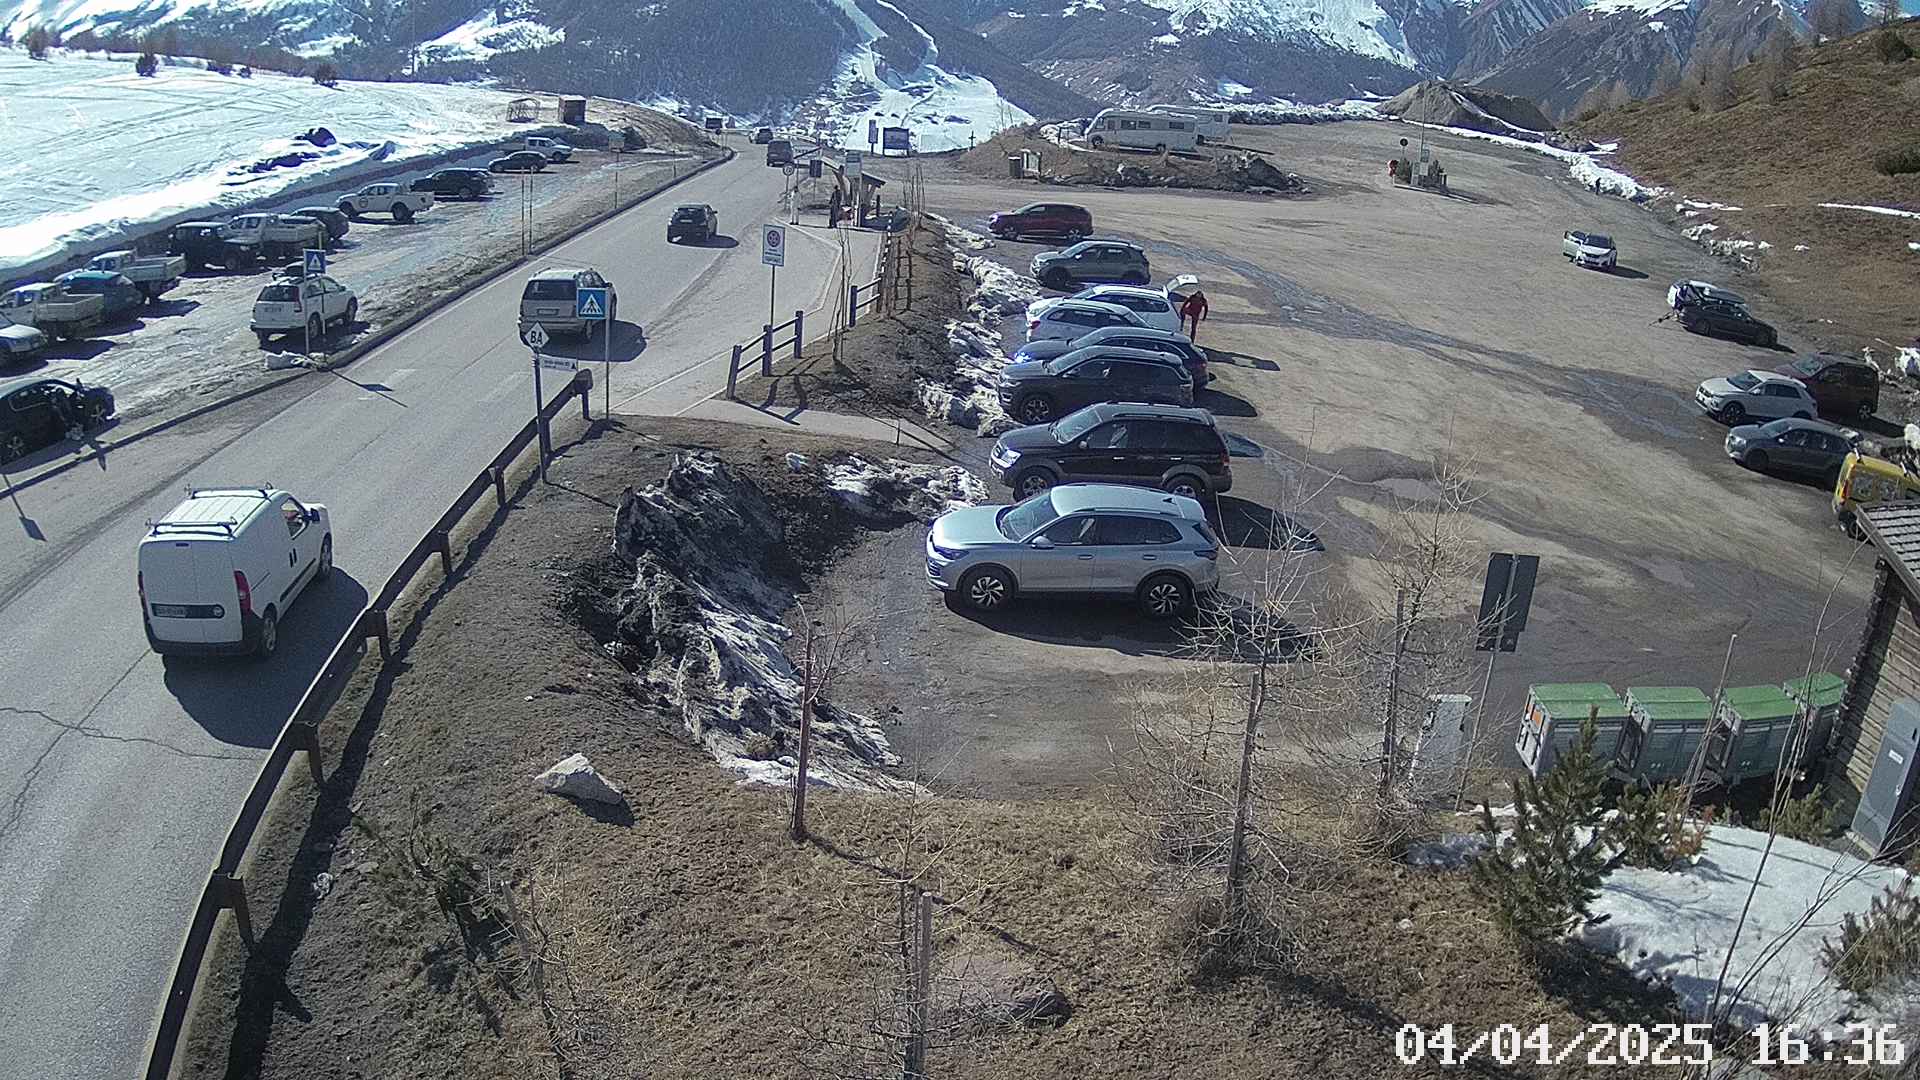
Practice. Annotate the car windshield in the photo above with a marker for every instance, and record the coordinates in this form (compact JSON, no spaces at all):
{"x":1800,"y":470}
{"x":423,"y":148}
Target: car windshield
{"x":1776,"y":429}
{"x":1808,"y":366}
{"x":539,"y":289}
{"x":688,"y":213}
{"x":1021,"y":520}
{"x":1073,"y":425}
{"x":280,"y":293}
{"x":1596,"y":240}
{"x":1743,"y":381}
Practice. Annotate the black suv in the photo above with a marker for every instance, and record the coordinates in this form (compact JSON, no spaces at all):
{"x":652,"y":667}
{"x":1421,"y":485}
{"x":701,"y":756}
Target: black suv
{"x":205,"y":243}
{"x":1039,"y":390}
{"x":455,"y":183}
{"x":698,"y":224}
{"x":36,"y":413}
{"x":1163,"y":446}
{"x":1721,"y":319}
{"x":330,"y":219}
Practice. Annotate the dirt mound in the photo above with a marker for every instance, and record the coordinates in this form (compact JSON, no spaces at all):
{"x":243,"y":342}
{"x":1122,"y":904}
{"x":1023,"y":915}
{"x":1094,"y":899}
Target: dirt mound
{"x":1212,"y":168}
{"x":1437,"y":101}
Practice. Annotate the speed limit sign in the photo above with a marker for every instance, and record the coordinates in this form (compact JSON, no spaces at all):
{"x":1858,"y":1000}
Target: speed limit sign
{"x":773,"y":245}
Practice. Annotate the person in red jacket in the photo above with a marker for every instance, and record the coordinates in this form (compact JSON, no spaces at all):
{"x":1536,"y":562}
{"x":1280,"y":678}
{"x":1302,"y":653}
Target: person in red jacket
{"x":1193,"y":308}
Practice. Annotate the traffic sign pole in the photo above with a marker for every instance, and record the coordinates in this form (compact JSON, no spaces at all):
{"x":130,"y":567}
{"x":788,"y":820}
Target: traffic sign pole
{"x":536,"y":339}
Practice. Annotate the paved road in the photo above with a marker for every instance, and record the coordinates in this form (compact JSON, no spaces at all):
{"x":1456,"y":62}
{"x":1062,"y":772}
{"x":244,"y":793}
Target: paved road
{"x":119,"y":773}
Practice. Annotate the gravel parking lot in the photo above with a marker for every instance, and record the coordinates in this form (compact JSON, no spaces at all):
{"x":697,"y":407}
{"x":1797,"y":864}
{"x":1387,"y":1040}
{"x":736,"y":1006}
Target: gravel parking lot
{"x":195,"y":341}
{"x":1358,"y":335}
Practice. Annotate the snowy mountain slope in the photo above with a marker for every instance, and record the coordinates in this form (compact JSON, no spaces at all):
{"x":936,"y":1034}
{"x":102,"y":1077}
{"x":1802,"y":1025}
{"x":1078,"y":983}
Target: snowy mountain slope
{"x":90,"y":151}
{"x":301,"y":25}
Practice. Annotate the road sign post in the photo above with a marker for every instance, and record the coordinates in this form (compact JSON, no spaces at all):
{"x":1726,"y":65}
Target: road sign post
{"x":773,"y":252}
{"x":873,"y":133}
{"x":536,"y":339}
{"x":594,"y":305}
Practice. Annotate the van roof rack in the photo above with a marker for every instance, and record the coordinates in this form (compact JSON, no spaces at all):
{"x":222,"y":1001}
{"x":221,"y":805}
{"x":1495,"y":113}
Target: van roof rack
{"x":192,"y":526}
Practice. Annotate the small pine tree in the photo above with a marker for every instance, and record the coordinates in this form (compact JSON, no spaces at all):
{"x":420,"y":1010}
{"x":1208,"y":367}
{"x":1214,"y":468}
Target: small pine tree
{"x":146,"y":64}
{"x":1807,"y":818}
{"x":1652,"y":831}
{"x":1891,"y":47}
{"x":1886,"y":12}
{"x":38,"y":41}
{"x":325,"y":74}
{"x":1541,"y":880}
{"x":1880,"y":950}
{"x":1666,"y":78}
{"x":1618,"y":96}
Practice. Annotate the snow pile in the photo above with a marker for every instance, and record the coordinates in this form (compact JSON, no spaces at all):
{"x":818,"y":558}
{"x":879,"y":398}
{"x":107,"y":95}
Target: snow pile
{"x":968,"y":399}
{"x":1674,"y":928}
{"x":92,"y":155}
{"x":1063,"y":133}
{"x":1580,"y":163}
{"x":1694,"y":206}
{"x":1908,"y":362}
{"x":1289,"y":112}
{"x":889,"y":487}
{"x":1885,"y":211}
{"x":698,"y":628}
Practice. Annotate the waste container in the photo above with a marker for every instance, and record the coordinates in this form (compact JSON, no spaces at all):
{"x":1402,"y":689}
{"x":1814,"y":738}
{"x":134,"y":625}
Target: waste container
{"x":1016,"y":166}
{"x":1668,"y":724}
{"x":1552,"y":722}
{"x":1753,"y":725}
{"x":1820,"y":694}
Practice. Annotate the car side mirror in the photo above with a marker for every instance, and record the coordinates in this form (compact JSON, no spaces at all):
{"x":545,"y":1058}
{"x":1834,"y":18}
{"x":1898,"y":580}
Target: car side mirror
{"x":1040,"y":543}
{"x":313,"y":515}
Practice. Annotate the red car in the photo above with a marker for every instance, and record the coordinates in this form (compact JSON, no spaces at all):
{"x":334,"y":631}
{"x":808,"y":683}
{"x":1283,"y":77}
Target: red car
{"x":1043,"y":219}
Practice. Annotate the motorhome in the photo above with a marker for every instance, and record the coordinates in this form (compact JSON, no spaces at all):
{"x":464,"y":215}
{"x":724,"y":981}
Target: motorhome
{"x":1209,"y":124}
{"x":1142,"y":130}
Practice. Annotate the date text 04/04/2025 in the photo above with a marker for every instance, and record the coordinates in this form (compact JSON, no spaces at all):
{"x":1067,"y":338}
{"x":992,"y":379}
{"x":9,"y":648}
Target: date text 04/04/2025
{"x":1647,"y":1044}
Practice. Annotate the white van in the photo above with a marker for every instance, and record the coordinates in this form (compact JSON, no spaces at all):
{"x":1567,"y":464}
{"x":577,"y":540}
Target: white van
{"x":1207,"y":123}
{"x":1142,"y":130}
{"x":219,"y":571}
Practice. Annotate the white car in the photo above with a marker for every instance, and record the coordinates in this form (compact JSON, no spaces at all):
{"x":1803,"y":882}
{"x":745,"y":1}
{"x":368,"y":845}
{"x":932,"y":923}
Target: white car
{"x":1593,"y":250}
{"x":1759,"y":395}
{"x":218,"y":572}
{"x":18,"y":339}
{"x":1074,"y":318}
{"x":553,"y":148}
{"x":395,"y":199}
{"x":1157,"y":308}
{"x":1687,"y":293}
{"x":292,"y":305}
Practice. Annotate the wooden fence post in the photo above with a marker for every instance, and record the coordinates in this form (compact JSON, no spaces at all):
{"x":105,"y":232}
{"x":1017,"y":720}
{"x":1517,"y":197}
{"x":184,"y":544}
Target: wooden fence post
{"x":306,"y":736}
{"x":444,"y":546}
{"x":799,"y":324}
{"x":733,"y":371}
{"x":499,"y":486}
{"x":766,"y":350}
{"x":233,"y":897}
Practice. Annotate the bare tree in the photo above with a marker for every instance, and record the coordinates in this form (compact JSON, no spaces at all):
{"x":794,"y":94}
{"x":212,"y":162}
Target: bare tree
{"x":1618,"y":95}
{"x":1833,"y":19}
{"x":1886,"y":13}
{"x":1667,"y":78}
{"x":1716,"y":81}
{"x":1777,"y":65}
{"x":830,"y":642}
{"x":1591,"y":102}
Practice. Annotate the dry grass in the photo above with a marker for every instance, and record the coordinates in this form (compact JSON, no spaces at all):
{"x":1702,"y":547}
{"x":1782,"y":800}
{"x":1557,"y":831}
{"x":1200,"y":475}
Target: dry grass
{"x":1780,"y":159}
{"x":689,"y":938}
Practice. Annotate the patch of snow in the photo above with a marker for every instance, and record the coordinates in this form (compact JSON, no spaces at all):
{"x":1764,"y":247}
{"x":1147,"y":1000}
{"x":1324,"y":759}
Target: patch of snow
{"x":1695,"y":232}
{"x":1230,"y":89}
{"x":1913,"y":245}
{"x":1801,"y":247}
{"x":1292,"y":112}
{"x":927,"y":491}
{"x":1645,"y":7}
{"x":1887,"y":211}
{"x":1355,"y":26}
{"x":197,"y":136}
{"x":968,"y":398}
{"x":945,"y":109}
{"x":1694,"y":205}
{"x":486,"y":34}
{"x":1077,"y":6}
{"x":1167,"y":40}
{"x":1580,"y":164}
{"x":1674,"y":927}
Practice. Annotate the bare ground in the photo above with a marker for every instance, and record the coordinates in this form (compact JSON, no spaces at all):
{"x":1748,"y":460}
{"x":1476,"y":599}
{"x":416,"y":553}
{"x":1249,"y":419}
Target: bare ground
{"x":687,"y":937}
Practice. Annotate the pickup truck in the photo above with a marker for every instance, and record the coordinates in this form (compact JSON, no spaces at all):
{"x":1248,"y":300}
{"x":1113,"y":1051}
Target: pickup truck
{"x":53,"y":308}
{"x":154,"y":274}
{"x":278,"y":236}
{"x":555,"y":150}
{"x":1593,"y":250}
{"x":392,"y":199}
{"x":19,"y":340}
{"x":294,"y":304}
{"x":211,"y":243}
{"x":119,"y":297}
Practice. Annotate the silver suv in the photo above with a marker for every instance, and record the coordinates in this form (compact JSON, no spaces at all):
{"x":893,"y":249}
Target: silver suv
{"x":1078,"y":538}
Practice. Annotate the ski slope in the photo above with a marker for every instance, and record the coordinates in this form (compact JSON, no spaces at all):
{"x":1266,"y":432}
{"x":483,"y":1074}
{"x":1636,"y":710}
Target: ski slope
{"x":91,"y":153}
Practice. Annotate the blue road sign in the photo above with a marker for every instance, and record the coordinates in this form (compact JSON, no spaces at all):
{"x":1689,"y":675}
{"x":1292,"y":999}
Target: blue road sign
{"x":590,"y":304}
{"x":316,"y":262}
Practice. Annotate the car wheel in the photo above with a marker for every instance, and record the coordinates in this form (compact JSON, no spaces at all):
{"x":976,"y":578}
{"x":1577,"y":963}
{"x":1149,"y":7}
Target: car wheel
{"x":402,"y":213}
{"x":236,"y":260}
{"x":1165,"y":596}
{"x":1186,"y":484}
{"x":1850,"y":525}
{"x":1135,"y":277}
{"x":986,"y":589}
{"x":269,"y":635}
{"x":470,"y":193}
{"x":1059,"y":279}
{"x":1096,"y":142}
{"x":1732,"y":413}
{"x":14,"y":448}
{"x":1032,"y":482}
{"x":1036,"y":409}
{"x":1160,"y":148}
{"x":315,"y":328}
{"x":1757,"y":460}
{"x":264,"y":337}
{"x":353,"y":313}
{"x":325,"y":570}
{"x":1864,"y":411}
{"x":350,"y":210}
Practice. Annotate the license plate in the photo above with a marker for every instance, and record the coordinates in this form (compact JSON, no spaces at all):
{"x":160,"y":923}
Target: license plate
{"x":170,"y":611}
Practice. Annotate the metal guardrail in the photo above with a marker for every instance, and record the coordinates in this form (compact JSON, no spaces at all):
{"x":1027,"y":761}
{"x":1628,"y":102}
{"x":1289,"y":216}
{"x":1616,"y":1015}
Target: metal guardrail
{"x":888,"y":287}
{"x":225,"y":888}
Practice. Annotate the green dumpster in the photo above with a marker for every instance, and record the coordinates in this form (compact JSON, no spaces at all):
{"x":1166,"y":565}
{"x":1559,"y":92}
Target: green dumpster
{"x":1552,"y":722}
{"x":1820,"y":692}
{"x":1664,"y":735}
{"x":1755,"y":722}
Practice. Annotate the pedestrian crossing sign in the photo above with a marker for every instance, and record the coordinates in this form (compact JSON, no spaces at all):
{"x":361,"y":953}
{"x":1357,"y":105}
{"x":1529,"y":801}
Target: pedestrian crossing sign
{"x":590,"y":304}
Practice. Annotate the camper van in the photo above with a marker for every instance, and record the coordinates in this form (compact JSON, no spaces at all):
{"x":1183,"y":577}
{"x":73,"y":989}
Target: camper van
{"x":1208,"y":124}
{"x":1158,"y":132}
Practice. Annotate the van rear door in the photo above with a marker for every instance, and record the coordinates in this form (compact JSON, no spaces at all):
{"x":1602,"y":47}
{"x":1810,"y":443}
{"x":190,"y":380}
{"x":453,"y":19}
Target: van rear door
{"x":190,"y":591}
